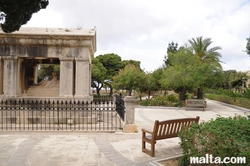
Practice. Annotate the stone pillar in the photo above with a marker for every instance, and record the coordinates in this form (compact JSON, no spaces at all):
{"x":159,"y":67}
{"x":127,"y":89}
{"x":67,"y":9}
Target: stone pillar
{"x":82,"y":79}
{"x":66,"y":77}
{"x":1,"y":76}
{"x":10,"y":75}
{"x":130,"y":126}
{"x":19,"y":77}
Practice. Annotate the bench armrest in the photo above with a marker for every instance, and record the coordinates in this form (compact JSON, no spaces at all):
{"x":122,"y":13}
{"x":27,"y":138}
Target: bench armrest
{"x":146,"y":131}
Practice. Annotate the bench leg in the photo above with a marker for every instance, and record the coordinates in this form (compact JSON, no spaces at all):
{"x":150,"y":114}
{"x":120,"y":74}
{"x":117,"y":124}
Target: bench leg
{"x":150,"y":151}
{"x":143,"y":145}
{"x":153,"y":149}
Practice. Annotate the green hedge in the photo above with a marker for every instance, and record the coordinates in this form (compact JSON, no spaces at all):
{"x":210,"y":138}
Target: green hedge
{"x":222,"y":137}
{"x":237,"y":101}
{"x":169,"y":100}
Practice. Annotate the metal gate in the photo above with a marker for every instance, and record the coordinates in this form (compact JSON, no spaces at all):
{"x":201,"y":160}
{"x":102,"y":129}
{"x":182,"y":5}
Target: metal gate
{"x":120,"y":108}
{"x":27,"y":114}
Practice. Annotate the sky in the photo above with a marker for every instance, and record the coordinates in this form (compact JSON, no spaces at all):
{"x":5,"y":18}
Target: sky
{"x":142,"y":29}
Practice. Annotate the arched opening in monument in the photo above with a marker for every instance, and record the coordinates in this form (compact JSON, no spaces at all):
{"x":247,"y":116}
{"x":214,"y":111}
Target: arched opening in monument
{"x":41,"y":77}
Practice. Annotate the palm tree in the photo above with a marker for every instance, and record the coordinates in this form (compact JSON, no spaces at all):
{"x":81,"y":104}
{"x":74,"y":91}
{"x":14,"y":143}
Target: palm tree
{"x":207,"y":55}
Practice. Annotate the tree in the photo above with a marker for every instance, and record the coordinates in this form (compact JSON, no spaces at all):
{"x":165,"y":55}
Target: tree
{"x":136,"y":63}
{"x":130,"y":78}
{"x":19,"y":12}
{"x":248,"y":46}
{"x":172,"y":48}
{"x":46,"y":71}
{"x":153,"y":80}
{"x":233,"y":80}
{"x":112,"y":63}
{"x":187,"y":73}
{"x":99,"y":73}
{"x":180,"y":75}
{"x":207,"y":55}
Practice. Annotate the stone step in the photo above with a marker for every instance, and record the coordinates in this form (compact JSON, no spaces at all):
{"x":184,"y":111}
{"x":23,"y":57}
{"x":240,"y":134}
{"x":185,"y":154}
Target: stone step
{"x":43,"y":92}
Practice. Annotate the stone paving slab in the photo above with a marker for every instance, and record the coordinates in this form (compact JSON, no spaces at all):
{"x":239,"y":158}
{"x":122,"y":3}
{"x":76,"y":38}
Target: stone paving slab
{"x":66,"y":148}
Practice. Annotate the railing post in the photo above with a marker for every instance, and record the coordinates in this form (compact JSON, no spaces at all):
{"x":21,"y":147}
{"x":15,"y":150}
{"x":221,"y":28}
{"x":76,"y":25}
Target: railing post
{"x":129,"y":126}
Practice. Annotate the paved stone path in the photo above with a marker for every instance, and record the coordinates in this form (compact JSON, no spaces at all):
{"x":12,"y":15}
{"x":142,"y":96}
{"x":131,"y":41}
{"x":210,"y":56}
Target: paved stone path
{"x":51,"y":148}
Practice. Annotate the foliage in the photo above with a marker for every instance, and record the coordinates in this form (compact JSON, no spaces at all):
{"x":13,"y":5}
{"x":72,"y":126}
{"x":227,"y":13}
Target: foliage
{"x":169,"y":100}
{"x":172,"y":48}
{"x":188,"y":73}
{"x":19,"y":12}
{"x":200,"y":48}
{"x":222,"y":137}
{"x":233,"y":80}
{"x":99,"y":73}
{"x":46,"y":71}
{"x":248,"y":46}
{"x":210,"y":56}
{"x":153,"y":80}
{"x":134,"y":62}
{"x":112,"y":63}
{"x":180,"y":74}
{"x":246,"y":93}
{"x":230,"y":98}
{"x":130,"y":78}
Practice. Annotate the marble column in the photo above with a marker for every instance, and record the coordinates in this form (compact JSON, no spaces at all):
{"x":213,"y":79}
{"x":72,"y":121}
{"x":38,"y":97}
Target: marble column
{"x":66,"y":77}
{"x":82,"y":80}
{"x":10,"y":75}
{"x":1,"y":76}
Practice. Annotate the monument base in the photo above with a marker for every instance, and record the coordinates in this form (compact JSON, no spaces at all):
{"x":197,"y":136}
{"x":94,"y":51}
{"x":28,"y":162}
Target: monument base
{"x":130,"y":128}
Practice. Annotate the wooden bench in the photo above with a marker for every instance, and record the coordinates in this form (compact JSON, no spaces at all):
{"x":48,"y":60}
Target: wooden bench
{"x":164,"y":130}
{"x":198,"y":103}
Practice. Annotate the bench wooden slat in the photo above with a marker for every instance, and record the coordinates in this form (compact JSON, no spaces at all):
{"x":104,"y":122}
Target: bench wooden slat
{"x":164,"y":130}
{"x":198,"y":103}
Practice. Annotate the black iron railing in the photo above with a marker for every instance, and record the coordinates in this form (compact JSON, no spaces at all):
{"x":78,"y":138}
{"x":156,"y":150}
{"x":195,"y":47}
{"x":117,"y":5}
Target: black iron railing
{"x":120,"y":108}
{"x":27,"y":114}
{"x":102,"y":98}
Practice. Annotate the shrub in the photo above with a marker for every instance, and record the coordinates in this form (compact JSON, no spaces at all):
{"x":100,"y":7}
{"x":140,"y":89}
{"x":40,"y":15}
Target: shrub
{"x":247,"y":93}
{"x":222,"y":137}
{"x":170,"y":100}
{"x":239,"y":101}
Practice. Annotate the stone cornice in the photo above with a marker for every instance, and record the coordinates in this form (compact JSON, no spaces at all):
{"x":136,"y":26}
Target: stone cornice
{"x":9,"y":57}
{"x":52,"y":37}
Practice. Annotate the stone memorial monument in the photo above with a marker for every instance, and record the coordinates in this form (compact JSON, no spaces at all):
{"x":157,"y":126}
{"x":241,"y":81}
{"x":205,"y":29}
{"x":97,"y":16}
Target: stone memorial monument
{"x":21,"y":52}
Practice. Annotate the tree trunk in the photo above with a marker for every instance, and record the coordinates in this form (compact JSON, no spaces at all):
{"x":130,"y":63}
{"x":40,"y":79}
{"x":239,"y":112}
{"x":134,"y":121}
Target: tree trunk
{"x":98,"y":88}
{"x":111,"y":91}
{"x":110,"y":87}
{"x":199,"y":93}
{"x":97,"y":91}
{"x":149,"y":94}
{"x":130,"y":92}
{"x":182,"y":94}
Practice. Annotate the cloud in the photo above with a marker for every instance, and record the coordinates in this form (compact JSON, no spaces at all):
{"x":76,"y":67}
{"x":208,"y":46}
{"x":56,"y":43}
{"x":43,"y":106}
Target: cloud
{"x":142,"y":29}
